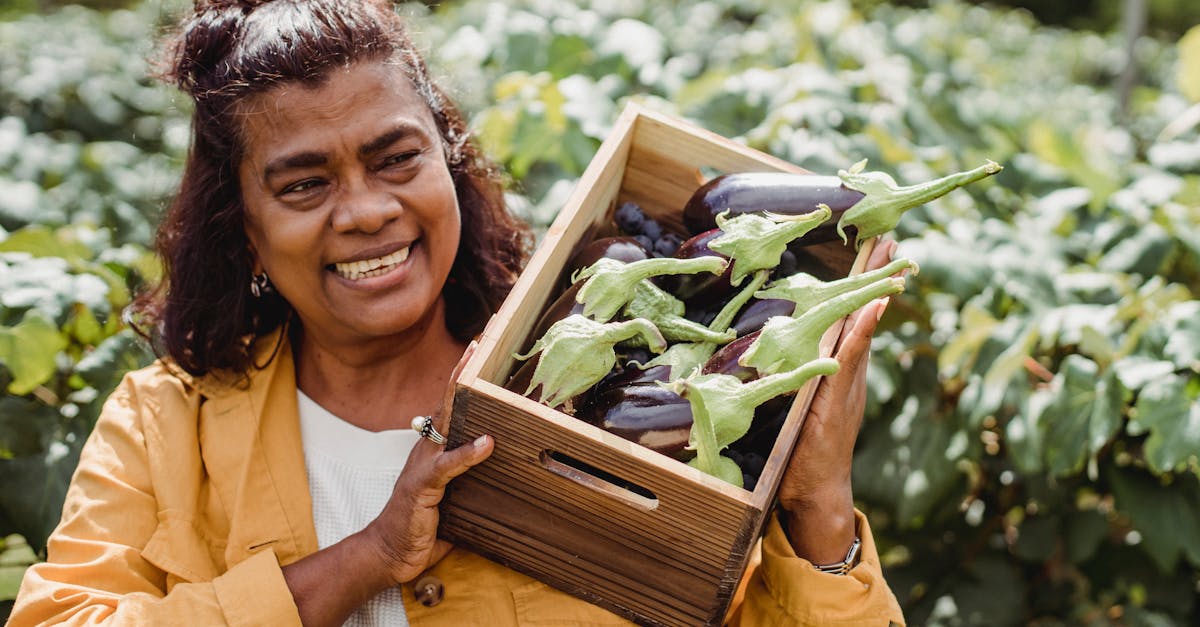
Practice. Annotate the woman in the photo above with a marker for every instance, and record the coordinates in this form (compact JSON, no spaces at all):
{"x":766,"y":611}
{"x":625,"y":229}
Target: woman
{"x":336,"y":242}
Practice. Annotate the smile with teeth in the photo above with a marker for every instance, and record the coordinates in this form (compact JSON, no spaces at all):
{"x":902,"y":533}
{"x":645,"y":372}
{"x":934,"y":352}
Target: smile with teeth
{"x":367,"y":268}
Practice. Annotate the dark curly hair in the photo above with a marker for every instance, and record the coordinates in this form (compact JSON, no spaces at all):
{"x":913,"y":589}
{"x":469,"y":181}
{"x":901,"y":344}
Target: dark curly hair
{"x":202,"y":315}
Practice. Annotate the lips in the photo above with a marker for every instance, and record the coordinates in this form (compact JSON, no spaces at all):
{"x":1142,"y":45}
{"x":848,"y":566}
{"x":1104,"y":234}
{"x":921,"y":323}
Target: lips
{"x":367,"y":268}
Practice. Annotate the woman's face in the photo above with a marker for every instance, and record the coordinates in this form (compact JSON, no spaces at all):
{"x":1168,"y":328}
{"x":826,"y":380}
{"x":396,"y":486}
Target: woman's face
{"x":350,"y":206}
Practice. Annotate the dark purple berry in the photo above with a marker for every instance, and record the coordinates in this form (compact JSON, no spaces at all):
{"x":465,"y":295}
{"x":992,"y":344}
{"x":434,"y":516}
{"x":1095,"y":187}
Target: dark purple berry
{"x":645,"y":241}
{"x":630,"y":218}
{"x":651,"y":228}
{"x":754,"y":463}
{"x":667,"y":245}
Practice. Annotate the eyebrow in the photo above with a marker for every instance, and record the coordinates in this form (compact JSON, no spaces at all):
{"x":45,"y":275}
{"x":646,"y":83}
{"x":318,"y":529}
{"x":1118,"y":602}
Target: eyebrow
{"x":312,"y":159}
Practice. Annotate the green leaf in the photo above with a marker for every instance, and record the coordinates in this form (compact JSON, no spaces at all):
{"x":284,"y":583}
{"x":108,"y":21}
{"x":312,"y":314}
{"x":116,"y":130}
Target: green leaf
{"x":1083,"y":414}
{"x":1083,"y":533}
{"x":26,"y":426}
{"x":1136,"y":371}
{"x":104,"y":366}
{"x":1037,"y":537}
{"x":14,"y":560}
{"x":1183,"y":341}
{"x":988,"y":593}
{"x":40,"y":241}
{"x":28,"y":350}
{"x":1166,"y":515}
{"x":1144,"y":253}
{"x":1173,"y":419}
{"x":908,"y":465}
{"x":1188,"y":71}
{"x":35,"y":509}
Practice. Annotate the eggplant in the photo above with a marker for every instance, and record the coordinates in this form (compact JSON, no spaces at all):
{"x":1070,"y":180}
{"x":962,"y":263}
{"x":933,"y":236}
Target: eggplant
{"x":565,"y":305}
{"x":778,"y":192}
{"x":725,"y":361}
{"x":633,"y":375}
{"x":624,"y":249}
{"x":703,"y":290}
{"x":646,"y":414}
{"x":862,"y":204}
{"x":621,"y":248}
{"x":758,"y":312}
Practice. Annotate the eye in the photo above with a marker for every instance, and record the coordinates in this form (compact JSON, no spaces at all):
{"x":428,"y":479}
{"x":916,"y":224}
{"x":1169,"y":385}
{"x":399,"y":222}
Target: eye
{"x":301,"y":186}
{"x":400,"y":158}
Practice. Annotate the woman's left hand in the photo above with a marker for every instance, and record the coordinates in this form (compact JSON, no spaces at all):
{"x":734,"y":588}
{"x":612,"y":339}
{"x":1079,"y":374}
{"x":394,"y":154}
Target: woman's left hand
{"x":815,"y":492}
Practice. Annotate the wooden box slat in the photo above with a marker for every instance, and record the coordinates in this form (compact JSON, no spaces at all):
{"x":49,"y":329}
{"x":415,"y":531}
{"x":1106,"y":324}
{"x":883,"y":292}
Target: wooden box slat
{"x":583,"y":510}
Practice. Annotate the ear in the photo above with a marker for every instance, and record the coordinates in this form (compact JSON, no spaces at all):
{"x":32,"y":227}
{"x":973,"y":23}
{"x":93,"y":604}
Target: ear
{"x":256,"y":266}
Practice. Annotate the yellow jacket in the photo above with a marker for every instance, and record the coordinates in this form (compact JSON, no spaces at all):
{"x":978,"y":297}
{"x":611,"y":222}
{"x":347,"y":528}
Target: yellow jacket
{"x":191,"y":494}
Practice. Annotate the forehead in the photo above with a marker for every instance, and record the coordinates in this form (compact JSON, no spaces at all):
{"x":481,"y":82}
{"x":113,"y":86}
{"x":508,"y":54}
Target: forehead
{"x":356,"y":99}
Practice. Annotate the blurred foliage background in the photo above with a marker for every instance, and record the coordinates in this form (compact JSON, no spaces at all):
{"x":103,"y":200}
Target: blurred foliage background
{"x":1030,"y":451}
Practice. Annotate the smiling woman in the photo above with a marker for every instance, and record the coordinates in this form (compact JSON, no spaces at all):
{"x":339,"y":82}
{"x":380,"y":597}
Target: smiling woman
{"x":351,"y":210}
{"x":336,"y":242}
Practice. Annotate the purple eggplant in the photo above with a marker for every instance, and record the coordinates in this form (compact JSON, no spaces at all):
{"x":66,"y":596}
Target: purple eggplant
{"x":626,"y":249}
{"x":647,"y":414}
{"x":633,"y":375}
{"x":862,"y":204}
{"x":777,"y":192}
{"x":704,"y":289}
{"x":756,"y":313}
{"x":725,"y":361}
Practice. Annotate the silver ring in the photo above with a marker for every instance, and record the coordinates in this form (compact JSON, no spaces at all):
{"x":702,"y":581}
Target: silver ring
{"x":423,"y":425}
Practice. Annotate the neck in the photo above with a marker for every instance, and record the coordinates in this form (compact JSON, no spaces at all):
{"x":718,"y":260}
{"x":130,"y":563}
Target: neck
{"x":380,"y":383}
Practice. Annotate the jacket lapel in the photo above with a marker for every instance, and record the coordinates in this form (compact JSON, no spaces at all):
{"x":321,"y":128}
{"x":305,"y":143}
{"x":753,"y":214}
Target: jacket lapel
{"x":250,"y":442}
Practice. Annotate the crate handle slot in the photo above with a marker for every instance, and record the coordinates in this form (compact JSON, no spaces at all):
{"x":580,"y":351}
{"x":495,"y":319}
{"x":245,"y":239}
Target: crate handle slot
{"x":599,"y":480}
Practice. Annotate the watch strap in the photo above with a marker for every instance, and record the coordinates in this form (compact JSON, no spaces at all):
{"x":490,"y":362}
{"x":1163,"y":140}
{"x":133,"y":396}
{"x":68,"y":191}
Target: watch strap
{"x":843,"y":567}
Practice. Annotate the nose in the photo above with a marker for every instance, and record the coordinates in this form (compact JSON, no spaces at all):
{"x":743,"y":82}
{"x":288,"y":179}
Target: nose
{"x":364,"y":208}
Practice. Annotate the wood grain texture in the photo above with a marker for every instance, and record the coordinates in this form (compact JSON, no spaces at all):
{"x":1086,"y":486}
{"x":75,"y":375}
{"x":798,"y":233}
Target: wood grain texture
{"x":576,"y":507}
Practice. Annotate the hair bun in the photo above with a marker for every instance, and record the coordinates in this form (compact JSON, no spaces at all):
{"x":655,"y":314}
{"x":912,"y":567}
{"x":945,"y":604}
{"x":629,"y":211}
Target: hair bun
{"x":245,"y":5}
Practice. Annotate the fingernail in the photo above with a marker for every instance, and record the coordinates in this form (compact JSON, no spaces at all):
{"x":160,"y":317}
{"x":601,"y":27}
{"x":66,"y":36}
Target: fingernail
{"x":880,"y":308}
{"x":481,"y":441}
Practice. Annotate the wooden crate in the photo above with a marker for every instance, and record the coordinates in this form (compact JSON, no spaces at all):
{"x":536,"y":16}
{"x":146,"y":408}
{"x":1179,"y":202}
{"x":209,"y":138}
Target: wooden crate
{"x":567,"y":503}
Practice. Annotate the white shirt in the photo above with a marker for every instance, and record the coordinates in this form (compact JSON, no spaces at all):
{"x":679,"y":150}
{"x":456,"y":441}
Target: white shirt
{"x":351,"y":474}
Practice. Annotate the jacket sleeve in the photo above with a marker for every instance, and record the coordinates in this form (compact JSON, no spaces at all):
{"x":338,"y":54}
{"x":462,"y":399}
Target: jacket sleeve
{"x":97,"y":573}
{"x":786,"y":590}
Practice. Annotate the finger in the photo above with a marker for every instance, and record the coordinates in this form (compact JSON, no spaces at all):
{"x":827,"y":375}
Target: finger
{"x":450,"y":464}
{"x":881,"y":254}
{"x":855,"y":343}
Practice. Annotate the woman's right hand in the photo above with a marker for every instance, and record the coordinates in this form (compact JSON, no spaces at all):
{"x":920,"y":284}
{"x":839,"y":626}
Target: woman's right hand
{"x":399,"y":544}
{"x":405,"y":532}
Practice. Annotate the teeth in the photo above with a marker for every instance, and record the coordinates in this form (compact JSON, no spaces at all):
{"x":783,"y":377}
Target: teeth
{"x":367,"y":268}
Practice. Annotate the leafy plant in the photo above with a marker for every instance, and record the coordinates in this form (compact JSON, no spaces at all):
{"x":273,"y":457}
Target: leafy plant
{"x":1030,"y":450}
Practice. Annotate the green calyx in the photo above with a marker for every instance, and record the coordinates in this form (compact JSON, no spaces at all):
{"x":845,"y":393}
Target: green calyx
{"x":756,"y":242}
{"x":666,"y":312}
{"x":576,"y":352}
{"x":610,"y":283}
{"x":723,"y":407}
{"x":885,"y":201}
{"x":808,"y":291}
{"x":685,"y":357}
{"x":786,"y":342}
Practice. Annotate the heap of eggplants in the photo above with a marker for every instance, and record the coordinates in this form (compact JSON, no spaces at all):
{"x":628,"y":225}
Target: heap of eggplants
{"x":694,"y":354}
